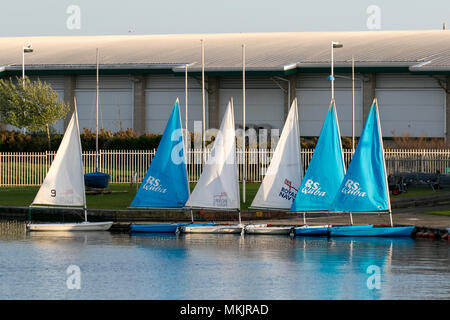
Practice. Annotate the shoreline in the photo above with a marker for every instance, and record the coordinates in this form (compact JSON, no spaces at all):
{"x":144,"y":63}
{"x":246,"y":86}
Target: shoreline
{"x":406,"y":211}
{"x":426,"y":225}
{"x":405,"y":204}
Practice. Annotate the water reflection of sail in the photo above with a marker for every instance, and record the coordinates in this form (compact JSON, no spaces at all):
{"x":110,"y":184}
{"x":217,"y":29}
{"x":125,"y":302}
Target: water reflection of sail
{"x":12,"y":230}
{"x":369,"y":266}
{"x":57,"y":238}
{"x":344,"y":265}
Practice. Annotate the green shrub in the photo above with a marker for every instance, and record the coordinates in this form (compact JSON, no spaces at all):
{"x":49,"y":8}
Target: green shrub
{"x":15,"y":141}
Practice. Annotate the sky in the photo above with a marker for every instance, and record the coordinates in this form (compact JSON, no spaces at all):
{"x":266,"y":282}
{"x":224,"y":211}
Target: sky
{"x":103,"y":17}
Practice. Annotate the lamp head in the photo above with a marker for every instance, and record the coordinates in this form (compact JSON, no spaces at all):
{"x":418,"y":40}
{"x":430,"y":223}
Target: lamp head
{"x":337,"y":44}
{"x":28,"y":48}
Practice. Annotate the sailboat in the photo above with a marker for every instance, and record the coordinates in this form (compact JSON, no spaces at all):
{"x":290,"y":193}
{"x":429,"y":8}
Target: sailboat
{"x":324,"y":175}
{"x":283,"y":176}
{"x":165,"y":185}
{"x":365,"y":187}
{"x":63,"y":185}
{"x":97,"y":180}
{"x":218,"y":185}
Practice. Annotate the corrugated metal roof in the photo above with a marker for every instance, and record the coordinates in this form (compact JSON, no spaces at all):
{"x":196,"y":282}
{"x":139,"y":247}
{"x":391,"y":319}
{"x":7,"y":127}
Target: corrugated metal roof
{"x":264,"y":51}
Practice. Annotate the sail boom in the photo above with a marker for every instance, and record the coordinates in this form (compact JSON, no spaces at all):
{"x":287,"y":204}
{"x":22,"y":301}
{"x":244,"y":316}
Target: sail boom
{"x":311,"y":211}
{"x":213,"y":209}
{"x":51,"y":206}
{"x":269,"y":208}
{"x":365,"y":212}
{"x":158,"y":208}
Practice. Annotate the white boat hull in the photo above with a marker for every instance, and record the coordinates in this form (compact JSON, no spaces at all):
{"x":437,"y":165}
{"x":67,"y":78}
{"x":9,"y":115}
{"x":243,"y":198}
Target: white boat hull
{"x":213,"y":229}
{"x":83,"y":226}
{"x":257,"y":229}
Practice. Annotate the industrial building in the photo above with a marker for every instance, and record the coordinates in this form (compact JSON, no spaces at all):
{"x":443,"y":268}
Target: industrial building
{"x":141,"y":75}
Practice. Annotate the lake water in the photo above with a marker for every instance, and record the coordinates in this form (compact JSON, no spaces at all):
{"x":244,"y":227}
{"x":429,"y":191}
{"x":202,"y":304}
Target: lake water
{"x":120,"y":266}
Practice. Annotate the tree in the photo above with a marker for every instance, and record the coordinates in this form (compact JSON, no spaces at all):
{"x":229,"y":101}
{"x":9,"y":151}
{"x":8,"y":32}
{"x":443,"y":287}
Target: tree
{"x":30,"y":105}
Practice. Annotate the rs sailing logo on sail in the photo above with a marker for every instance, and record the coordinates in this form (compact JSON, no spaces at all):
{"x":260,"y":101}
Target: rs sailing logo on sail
{"x":313,"y":188}
{"x":352,"y":188}
{"x":153,"y":184}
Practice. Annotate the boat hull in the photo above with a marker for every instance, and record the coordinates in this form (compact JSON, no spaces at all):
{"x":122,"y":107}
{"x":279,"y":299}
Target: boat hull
{"x":163,"y":227}
{"x":366,"y":231}
{"x":282,"y":230}
{"x":83,"y":226}
{"x":155,"y":228}
{"x":312,"y":230}
{"x":212,"y":229}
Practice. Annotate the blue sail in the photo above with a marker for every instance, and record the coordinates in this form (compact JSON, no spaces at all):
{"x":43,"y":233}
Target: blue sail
{"x":165,"y":183}
{"x":364,"y":188}
{"x":325,"y":171}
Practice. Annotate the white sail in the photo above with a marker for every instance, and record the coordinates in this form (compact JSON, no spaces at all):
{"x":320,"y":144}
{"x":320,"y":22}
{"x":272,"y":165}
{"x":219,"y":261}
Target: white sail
{"x":218,"y":184}
{"x":284,"y":175}
{"x":64,"y":183}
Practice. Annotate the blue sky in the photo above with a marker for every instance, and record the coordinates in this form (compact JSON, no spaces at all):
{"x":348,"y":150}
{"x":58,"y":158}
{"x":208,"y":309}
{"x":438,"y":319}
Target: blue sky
{"x":102,"y":17}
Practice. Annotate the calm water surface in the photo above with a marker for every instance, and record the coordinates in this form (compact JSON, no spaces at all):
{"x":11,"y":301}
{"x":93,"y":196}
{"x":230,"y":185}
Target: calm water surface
{"x":120,"y":266}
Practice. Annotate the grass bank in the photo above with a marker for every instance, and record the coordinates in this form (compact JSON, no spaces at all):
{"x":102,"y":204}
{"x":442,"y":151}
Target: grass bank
{"x":123,"y":194}
{"x":440,"y":212}
{"x":120,"y":197}
{"x":415,"y":192}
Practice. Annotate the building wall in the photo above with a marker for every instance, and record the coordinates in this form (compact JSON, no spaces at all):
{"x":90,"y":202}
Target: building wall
{"x":413,"y":105}
{"x":115,"y":102}
{"x":314,"y":96}
{"x":264,"y":102}
{"x":410,"y":105}
{"x":161,"y":93}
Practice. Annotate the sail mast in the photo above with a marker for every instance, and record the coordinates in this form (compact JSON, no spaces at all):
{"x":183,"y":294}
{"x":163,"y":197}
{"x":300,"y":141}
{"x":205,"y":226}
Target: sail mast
{"x":218,"y":185}
{"x":244,"y":170}
{"x":384,"y":163}
{"x":81,"y":154}
{"x":188,"y":138}
{"x":64,"y":184}
{"x":96,"y":115}
{"x":237,"y":180}
{"x":165,"y":184}
{"x":186,"y":104}
{"x":322,"y":179}
{"x":364,"y":187}
{"x":284,"y":174}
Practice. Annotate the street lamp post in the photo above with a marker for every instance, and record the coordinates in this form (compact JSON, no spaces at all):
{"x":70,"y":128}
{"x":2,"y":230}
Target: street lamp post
{"x":25,"y":49}
{"x":334,"y":45}
{"x":353,"y":104}
{"x":352,"y":79}
{"x":203,"y":102}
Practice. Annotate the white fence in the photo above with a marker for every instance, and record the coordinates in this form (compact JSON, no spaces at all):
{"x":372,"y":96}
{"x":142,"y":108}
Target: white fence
{"x":30,"y":168}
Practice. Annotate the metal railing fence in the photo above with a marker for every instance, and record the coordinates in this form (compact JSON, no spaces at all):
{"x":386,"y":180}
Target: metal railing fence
{"x":30,"y":168}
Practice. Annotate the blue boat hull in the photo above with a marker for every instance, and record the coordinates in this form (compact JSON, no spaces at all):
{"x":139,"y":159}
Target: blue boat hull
{"x":323,"y":231}
{"x":164,"y":227}
{"x":370,"y":231}
{"x":155,"y":228}
{"x":98,"y":180}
